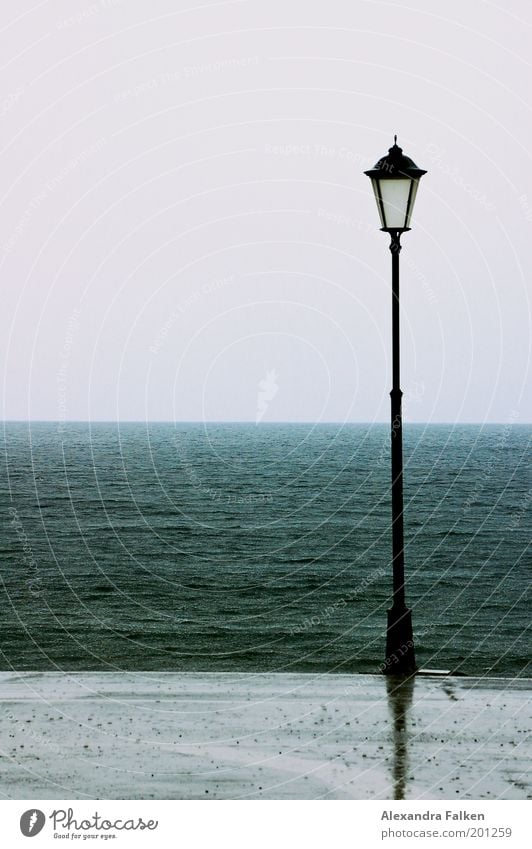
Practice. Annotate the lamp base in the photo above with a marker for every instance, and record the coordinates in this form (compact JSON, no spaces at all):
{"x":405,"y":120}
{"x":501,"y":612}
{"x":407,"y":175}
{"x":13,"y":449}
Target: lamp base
{"x":400,"y":652}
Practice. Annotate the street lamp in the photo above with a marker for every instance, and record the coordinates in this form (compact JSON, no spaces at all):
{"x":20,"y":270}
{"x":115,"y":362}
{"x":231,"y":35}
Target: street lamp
{"x":395,"y":180}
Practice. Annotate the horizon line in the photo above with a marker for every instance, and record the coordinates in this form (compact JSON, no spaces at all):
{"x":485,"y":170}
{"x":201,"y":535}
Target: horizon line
{"x":62,"y":422}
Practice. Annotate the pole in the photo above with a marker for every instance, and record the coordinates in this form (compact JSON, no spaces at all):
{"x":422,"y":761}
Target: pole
{"x":400,"y":653}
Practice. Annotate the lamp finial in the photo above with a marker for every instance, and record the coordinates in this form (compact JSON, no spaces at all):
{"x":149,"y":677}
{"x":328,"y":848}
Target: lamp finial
{"x":395,"y":139}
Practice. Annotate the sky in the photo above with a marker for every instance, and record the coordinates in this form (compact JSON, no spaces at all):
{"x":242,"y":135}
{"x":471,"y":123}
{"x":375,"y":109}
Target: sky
{"x":186,"y":232}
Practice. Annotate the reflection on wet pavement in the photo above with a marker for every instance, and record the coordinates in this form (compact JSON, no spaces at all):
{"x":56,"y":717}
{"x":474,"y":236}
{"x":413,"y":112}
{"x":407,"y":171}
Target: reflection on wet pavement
{"x":400,"y":693}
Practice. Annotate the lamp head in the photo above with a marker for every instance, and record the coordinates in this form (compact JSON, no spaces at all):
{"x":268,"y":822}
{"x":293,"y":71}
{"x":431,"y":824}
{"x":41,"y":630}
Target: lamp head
{"x":395,"y":179}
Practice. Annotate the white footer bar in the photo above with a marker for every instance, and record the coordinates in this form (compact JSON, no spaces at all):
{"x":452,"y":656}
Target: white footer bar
{"x":265,"y":824}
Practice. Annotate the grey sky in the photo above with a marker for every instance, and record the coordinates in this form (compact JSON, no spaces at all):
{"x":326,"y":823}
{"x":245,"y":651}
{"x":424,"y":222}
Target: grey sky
{"x":184,"y":214}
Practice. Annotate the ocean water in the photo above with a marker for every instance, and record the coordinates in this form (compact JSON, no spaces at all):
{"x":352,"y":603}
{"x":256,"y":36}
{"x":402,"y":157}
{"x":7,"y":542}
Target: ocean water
{"x":260,"y":548}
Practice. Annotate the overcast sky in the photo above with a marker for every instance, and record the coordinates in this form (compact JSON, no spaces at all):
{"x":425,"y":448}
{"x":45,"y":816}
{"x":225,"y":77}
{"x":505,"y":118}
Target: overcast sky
{"x":186,"y":231}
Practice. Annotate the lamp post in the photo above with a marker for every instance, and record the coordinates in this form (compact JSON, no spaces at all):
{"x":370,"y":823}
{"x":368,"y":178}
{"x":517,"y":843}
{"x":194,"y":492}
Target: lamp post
{"x":395,"y":179}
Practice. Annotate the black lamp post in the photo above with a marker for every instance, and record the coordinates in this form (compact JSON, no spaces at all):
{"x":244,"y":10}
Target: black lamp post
{"x":395,"y":180}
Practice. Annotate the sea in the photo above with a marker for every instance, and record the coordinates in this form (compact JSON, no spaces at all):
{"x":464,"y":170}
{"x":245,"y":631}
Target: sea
{"x":261,"y":548}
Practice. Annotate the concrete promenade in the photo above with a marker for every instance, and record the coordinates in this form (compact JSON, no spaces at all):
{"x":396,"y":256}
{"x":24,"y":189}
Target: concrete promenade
{"x":274,"y":736}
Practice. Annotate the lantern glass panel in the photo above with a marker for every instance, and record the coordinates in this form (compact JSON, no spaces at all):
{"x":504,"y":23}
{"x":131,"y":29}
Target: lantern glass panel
{"x":394,"y":207}
{"x":415,"y":184}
